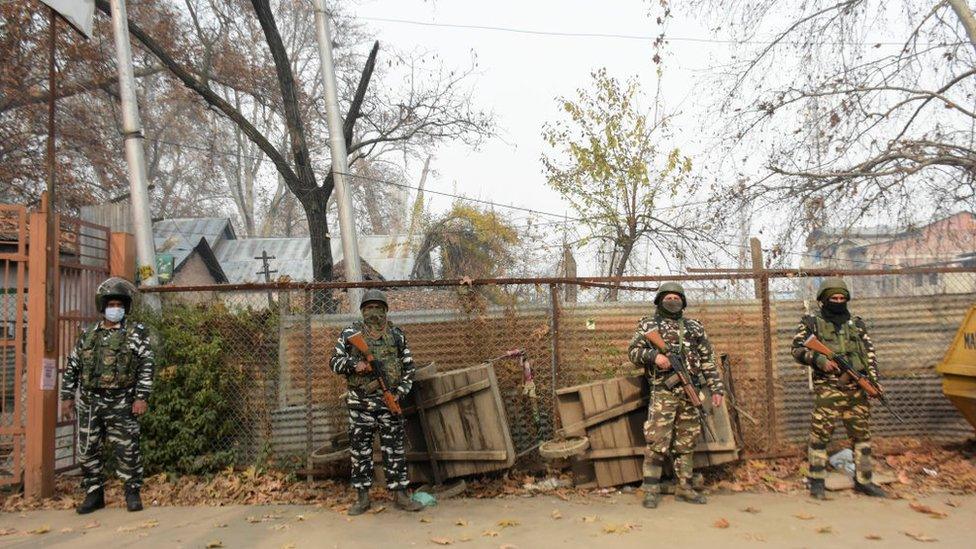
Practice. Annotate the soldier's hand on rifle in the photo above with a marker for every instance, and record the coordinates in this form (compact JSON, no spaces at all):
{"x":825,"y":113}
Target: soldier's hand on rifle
{"x":662,"y":361}
{"x":139,"y":407}
{"x":362,"y":367}
{"x":67,"y":409}
{"x":831,"y":367}
{"x":717,"y":401}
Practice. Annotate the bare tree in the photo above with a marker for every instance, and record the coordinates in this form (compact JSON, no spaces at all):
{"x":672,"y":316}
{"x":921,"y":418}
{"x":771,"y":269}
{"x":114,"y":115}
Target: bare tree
{"x":851,"y":123}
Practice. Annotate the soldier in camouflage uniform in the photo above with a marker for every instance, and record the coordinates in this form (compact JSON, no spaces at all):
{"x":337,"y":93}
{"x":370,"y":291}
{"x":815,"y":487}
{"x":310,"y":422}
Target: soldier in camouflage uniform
{"x":673,"y":424}
{"x":367,"y":411}
{"x":836,"y":396}
{"x":111,"y":367}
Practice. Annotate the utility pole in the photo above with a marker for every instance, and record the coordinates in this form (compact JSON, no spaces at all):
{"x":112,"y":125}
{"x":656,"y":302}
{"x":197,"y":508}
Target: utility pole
{"x":340,"y":160}
{"x":264,"y":257}
{"x":134,"y":155}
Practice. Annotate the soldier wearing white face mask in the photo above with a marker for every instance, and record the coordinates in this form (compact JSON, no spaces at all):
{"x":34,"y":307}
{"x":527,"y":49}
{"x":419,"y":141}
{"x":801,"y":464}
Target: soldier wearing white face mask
{"x":111,"y":369}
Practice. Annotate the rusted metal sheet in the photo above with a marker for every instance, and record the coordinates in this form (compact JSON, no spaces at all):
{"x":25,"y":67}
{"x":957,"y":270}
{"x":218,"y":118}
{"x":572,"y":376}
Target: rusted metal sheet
{"x":611,"y":413}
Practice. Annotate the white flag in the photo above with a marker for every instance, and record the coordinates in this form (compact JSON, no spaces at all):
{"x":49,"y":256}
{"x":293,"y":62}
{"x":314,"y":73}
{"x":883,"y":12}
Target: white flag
{"x":79,"y":13}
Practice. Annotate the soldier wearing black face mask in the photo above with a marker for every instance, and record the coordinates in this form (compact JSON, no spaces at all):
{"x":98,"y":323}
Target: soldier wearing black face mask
{"x":836,"y":395}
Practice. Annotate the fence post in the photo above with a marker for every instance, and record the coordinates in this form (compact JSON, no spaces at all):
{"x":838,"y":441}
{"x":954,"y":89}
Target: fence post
{"x":554,"y":342}
{"x":42,"y":367}
{"x":306,"y":355}
{"x":767,"y":335}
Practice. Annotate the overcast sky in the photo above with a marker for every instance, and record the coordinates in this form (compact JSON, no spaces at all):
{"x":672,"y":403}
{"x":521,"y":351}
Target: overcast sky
{"x":521,"y":75}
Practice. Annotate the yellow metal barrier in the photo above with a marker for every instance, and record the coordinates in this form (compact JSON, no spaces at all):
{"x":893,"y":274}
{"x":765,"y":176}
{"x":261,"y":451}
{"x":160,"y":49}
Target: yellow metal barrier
{"x":958,"y":368}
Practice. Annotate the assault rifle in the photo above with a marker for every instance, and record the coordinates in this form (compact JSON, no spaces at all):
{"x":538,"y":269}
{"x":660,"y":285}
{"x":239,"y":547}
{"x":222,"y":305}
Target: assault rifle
{"x":684,"y":377}
{"x":873,"y":390}
{"x":378,"y":369}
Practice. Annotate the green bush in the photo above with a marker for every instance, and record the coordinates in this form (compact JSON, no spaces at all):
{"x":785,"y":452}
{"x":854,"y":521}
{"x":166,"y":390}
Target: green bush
{"x":196,"y":411}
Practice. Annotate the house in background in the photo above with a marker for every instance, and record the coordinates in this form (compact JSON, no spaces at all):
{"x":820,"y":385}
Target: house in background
{"x":946,"y":242}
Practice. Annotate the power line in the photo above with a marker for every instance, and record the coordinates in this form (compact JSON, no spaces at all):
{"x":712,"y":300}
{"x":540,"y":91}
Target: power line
{"x":640,"y":37}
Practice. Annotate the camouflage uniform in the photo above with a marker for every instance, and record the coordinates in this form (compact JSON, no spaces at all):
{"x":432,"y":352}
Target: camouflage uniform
{"x":832,"y":400}
{"x":112,"y":367}
{"x":367,"y":411}
{"x":673,"y":423}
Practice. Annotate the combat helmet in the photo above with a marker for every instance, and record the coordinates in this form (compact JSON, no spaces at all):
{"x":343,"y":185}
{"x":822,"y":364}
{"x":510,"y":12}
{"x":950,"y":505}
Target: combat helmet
{"x":833,"y":285}
{"x":115,"y":288}
{"x":375,"y":296}
{"x":670,"y":288}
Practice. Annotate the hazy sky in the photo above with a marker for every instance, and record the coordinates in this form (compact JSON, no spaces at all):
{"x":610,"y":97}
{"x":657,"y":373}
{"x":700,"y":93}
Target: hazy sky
{"x":520,"y":75}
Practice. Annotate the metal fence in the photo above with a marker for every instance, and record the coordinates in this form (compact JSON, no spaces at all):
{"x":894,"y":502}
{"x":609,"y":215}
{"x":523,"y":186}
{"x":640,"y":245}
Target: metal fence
{"x":291,"y":402}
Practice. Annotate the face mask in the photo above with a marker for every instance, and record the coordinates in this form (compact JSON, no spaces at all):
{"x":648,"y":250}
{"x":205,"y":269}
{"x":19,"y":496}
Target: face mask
{"x":374,"y":318}
{"x":672,"y":306}
{"x":114,"y":314}
{"x":835,"y":308}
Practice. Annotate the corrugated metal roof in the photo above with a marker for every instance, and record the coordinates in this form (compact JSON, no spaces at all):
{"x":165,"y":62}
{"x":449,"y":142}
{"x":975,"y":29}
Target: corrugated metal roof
{"x":293,"y":257}
{"x":214,"y":229}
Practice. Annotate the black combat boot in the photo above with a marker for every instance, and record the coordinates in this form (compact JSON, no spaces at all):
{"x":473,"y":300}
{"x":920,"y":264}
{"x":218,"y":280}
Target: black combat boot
{"x":133,"y":502}
{"x":652,"y":499}
{"x":818,"y":489}
{"x":402,"y":501}
{"x":685,"y":492}
{"x":870,"y":489}
{"x":362,"y":502}
{"x":94,"y":501}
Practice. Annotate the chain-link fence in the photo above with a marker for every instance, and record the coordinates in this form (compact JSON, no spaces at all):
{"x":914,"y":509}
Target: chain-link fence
{"x":279,"y":339}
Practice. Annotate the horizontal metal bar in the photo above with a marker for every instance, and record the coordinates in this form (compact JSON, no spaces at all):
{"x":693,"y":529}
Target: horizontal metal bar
{"x":770,"y":273}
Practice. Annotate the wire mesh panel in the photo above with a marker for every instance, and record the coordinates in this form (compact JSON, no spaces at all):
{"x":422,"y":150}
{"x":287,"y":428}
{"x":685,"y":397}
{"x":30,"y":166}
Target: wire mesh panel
{"x":13,"y":340}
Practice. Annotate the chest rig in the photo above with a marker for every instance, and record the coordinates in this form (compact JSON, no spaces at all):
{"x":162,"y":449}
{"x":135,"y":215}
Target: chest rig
{"x":107,"y":361}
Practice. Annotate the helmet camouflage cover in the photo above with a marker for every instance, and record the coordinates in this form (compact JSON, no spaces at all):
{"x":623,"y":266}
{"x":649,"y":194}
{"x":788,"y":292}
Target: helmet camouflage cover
{"x":670,"y":288}
{"x":374,"y":295}
{"x":115,"y":288}
{"x":832,"y":285}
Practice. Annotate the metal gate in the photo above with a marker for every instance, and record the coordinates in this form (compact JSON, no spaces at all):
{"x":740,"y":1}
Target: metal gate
{"x":82,"y":264}
{"x":13,"y":340}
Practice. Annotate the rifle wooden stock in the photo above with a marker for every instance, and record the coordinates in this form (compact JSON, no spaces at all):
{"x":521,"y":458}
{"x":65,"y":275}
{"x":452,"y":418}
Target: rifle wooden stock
{"x":359,"y":342}
{"x":654,"y":337}
{"x":814,"y":344}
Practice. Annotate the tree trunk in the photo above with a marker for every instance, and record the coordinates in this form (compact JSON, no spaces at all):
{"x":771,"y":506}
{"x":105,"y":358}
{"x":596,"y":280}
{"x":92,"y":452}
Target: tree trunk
{"x":965,"y":15}
{"x":626,"y":248}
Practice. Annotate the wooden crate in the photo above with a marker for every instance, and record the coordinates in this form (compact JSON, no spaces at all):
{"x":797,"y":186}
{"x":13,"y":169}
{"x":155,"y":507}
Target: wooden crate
{"x":466,"y":421}
{"x":612,"y":414}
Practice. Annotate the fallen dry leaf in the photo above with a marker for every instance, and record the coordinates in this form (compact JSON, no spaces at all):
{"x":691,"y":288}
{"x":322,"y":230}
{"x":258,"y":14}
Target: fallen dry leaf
{"x":67,"y":530}
{"x":620,"y":528}
{"x":299,"y":517}
{"x":214,"y":544}
{"x":873,"y":537}
{"x":40,"y":530}
{"x":464,"y":538}
{"x":750,"y":510}
{"x":424,"y":519}
{"x":507,"y":546}
{"x":903,"y":478}
{"x":377,"y":509}
{"x":925,"y":509}
{"x":825,"y":530}
{"x":556,"y":514}
{"x":804,"y":516}
{"x":92,"y":524}
{"x":508,"y":523}
{"x":7,"y":531}
{"x":220,"y":525}
{"x":919,"y":537}
{"x":589,"y":518}
{"x":442,"y":540}
{"x":460,"y":522}
{"x":280,"y":527}
{"x":490,"y":534}
{"x":952,"y":503}
{"x":288,"y":546}
{"x":253,"y":519}
{"x":721,"y":523}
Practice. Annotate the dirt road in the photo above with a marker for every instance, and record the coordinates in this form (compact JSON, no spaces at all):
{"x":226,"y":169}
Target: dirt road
{"x":754,"y":520}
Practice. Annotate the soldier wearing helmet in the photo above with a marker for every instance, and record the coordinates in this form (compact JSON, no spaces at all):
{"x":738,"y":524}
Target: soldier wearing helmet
{"x":835,"y":395}
{"x":111,"y":369}
{"x":367,"y":411}
{"x":672,"y":425}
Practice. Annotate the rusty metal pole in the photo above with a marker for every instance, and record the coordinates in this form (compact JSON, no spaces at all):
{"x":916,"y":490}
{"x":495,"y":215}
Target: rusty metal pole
{"x":53,"y":236}
{"x":306,"y":356}
{"x":762,"y":293}
{"x":554,"y":338}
